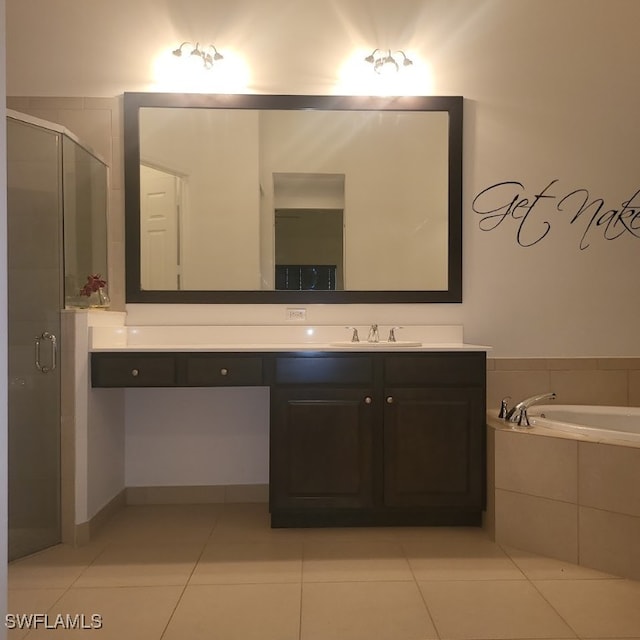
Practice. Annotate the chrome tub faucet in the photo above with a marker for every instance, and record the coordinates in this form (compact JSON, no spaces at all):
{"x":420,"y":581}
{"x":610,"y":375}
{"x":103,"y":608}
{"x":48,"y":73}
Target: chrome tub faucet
{"x":374,"y":335}
{"x":518,"y":413}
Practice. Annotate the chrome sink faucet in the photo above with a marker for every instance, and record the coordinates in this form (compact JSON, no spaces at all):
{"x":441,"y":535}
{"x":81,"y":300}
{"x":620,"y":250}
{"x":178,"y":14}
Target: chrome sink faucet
{"x":354,"y":336}
{"x":374,"y":335}
{"x":519,"y":412}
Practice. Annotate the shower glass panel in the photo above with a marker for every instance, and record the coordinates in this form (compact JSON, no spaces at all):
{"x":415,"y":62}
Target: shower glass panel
{"x":34,"y":200}
{"x":57,"y":237}
{"x":85,"y":220}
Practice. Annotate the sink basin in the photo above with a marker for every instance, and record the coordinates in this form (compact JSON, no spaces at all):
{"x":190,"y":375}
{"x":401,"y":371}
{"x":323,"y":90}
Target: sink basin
{"x":376,"y":345}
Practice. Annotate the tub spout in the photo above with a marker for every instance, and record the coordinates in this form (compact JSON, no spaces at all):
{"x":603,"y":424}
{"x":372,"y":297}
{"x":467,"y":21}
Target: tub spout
{"x":519,"y":411}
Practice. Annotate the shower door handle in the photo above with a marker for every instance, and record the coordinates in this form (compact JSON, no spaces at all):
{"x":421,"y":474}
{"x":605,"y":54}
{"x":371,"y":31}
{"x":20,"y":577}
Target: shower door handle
{"x":54,"y":352}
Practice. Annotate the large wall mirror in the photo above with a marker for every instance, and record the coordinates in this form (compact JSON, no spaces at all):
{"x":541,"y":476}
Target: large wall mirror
{"x":292,"y":199}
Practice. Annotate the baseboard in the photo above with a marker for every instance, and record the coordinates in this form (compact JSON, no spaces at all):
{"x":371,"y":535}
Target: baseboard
{"x":214,"y":494}
{"x":86,"y":531}
{"x":209,"y":494}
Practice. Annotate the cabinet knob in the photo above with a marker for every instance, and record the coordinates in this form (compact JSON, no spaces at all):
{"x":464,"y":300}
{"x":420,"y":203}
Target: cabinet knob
{"x":368,"y":400}
{"x":134,"y":372}
{"x":389,"y":399}
{"x":224,"y":372}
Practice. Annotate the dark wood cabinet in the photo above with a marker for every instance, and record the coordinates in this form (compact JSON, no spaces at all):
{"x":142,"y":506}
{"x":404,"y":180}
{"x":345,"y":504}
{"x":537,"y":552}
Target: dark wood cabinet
{"x":321,"y":448}
{"x":400,"y":441}
{"x":133,"y":370}
{"x":217,"y":370}
{"x":366,"y":438}
{"x":175,"y":369}
{"x":321,"y":434}
{"x":433,"y":447}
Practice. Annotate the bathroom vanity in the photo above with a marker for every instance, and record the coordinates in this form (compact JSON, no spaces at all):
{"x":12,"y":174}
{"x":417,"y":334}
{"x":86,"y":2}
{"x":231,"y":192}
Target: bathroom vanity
{"x":360,"y":434}
{"x":366,"y":433}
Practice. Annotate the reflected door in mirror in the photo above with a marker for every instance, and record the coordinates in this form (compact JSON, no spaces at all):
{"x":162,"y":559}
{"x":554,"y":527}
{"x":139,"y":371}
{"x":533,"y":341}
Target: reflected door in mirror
{"x":160,"y":204}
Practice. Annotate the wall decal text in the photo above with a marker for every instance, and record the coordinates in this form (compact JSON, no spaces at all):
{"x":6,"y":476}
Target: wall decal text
{"x":535,"y":215}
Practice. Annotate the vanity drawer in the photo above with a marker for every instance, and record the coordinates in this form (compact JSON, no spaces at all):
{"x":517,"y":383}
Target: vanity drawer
{"x":223,"y":371}
{"x":459,"y":369}
{"x":132,"y":370}
{"x":324,"y":370}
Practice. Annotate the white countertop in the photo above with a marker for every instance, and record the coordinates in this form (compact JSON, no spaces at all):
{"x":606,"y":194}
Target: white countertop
{"x":275,"y":338}
{"x":262,"y":347}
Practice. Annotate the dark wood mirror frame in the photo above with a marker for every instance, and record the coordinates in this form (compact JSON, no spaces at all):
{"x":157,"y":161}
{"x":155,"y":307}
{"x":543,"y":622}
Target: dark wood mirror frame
{"x":133,"y":102}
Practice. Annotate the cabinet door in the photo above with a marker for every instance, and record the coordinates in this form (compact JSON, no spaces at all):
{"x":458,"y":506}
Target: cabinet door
{"x":434,"y":447}
{"x":321,"y":447}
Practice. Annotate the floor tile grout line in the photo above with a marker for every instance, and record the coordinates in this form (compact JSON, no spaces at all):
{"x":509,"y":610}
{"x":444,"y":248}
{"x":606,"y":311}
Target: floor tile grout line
{"x":50,"y":609}
{"x":577,"y":635}
{"x":537,"y":590}
{"x":422,"y":596}
{"x":303,"y":537}
{"x":525,"y":577}
{"x":67,"y":589}
{"x":188,"y":580}
{"x":91,"y":564}
{"x":300,"y":605}
{"x":604,"y":576}
{"x":512,"y":561}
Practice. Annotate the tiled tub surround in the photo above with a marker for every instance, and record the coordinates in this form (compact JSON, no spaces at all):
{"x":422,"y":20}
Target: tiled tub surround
{"x":601,"y":381}
{"x":550,"y":493}
{"x":566,"y":497}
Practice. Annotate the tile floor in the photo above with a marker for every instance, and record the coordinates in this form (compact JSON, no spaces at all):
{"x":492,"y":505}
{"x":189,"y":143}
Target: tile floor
{"x":219,"y":572}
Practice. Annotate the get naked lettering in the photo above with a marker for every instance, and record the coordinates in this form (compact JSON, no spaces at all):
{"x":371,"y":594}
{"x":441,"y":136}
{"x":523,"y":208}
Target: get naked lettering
{"x":536,"y":215}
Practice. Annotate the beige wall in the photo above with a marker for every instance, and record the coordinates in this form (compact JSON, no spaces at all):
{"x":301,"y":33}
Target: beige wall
{"x":544,"y":104}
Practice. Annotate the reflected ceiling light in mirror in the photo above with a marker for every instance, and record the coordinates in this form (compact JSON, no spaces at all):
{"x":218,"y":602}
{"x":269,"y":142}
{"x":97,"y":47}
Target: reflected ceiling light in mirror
{"x":385,"y":62}
{"x":207,"y":57}
{"x":413,"y":78}
{"x":198,"y":70}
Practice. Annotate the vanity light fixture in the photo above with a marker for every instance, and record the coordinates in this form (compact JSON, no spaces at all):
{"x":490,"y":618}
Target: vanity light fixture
{"x":207,"y":58}
{"x":383,"y":61}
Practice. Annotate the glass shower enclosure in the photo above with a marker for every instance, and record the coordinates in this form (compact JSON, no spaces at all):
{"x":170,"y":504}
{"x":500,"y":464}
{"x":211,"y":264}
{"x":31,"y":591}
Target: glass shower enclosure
{"x":56,"y":230}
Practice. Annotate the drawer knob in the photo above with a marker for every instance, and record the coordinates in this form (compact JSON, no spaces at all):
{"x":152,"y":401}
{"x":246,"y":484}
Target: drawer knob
{"x":224,"y":372}
{"x":368,"y":400}
{"x":135,"y":372}
{"x":389,"y":399}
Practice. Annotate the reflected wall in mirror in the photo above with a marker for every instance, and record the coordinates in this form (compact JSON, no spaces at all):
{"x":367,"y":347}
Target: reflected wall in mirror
{"x":297,"y":199}
{"x":309,"y":231}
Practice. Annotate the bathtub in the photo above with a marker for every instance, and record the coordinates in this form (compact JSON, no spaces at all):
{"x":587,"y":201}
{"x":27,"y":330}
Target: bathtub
{"x":567,"y":486}
{"x":599,"y":422}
